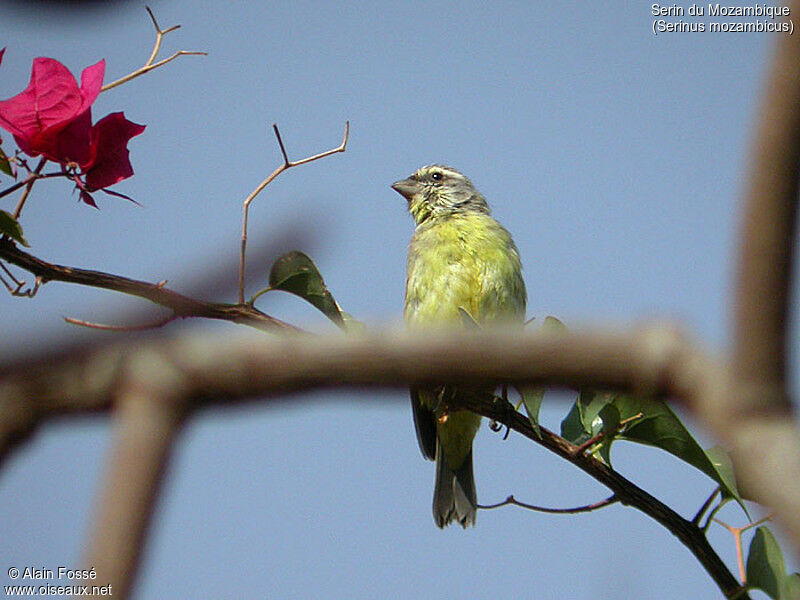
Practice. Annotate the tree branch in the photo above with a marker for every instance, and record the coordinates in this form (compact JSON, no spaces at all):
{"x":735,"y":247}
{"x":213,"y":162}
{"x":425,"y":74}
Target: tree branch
{"x":182,"y":306}
{"x":767,"y":235}
{"x":652,"y":361}
{"x":761,"y":430}
{"x":146,"y":428}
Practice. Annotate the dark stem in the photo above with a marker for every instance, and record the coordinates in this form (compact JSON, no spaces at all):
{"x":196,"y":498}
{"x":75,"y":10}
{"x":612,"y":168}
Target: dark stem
{"x":180,"y":305}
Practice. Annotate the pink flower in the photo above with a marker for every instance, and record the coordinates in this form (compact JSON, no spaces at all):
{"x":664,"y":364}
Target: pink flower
{"x":52,"y":116}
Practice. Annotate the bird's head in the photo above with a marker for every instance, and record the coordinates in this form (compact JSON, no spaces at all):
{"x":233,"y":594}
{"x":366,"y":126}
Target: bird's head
{"x":436,"y":190}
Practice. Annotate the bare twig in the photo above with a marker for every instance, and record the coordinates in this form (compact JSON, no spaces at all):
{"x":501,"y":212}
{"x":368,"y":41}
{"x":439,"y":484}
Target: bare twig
{"x":706,"y":505}
{"x":13,"y":289}
{"x":30,"y":180}
{"x":33,"y":176}
{"x":737,"y":536}
{"x":18,"y":284}
{"x":121,"y":328}
{"x":556,"y":511}
{"x":150,"y":65}
{"x":287,"y":164}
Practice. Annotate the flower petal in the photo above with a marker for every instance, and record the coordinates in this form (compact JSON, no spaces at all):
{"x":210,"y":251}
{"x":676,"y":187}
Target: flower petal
{"x":49,"y":106}
{"x":109,"y":162}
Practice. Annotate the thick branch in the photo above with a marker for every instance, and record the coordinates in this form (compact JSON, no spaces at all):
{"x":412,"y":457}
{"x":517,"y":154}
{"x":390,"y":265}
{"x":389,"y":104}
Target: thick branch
{"x":653,"y":361}
{"x":212,"y":371}
{"x":146,"y":429}
{"x":761,"y":431}
{"x":180,"y":305}
{"x":767,"y":239}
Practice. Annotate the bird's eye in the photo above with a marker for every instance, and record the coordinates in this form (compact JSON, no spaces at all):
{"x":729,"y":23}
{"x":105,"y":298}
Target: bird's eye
{"x":436,"y":176}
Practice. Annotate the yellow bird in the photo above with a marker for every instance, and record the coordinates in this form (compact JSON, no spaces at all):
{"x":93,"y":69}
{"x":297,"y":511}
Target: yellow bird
{"x":459,"y":258}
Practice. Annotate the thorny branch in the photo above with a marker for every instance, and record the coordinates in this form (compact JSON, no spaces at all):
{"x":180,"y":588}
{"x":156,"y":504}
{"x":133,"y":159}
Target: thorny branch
{"x":150,"y":65}
{"x":287,"y":164}
{"x":737,"y":537}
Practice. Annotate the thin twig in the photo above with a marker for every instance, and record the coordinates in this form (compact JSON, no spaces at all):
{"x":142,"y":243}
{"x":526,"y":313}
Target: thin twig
{"x":287,"y":164}
{"x":150,"y":65}
{"x":121,"y":328}
{"x":16,"y":289}
{"x":29,"y":179}
{"x":737,"y":536}
{"x":28,"y":186}
{"x":557,"y":511}
{"x":17,"y":282}
{"x":706,"y":505}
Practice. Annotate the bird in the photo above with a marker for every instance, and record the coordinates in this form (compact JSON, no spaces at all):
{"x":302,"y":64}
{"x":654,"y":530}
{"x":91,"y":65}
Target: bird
{"x":460,"y":260}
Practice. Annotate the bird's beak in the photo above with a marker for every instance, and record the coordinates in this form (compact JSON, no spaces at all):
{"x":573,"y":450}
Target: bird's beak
{"x":406,"y":187}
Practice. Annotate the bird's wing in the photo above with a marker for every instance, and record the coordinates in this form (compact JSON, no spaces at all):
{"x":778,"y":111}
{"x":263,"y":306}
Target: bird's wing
{"x":425,"y":424}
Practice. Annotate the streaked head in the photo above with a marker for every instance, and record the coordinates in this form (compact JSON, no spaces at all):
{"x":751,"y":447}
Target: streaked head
{"x":436,"y":190}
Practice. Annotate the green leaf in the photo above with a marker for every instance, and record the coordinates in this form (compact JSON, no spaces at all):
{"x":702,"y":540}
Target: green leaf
{"x":724,"y":467}
{"x":660,"y":427}
{"x":766,"y":570}
{"x":606,"y":422}
{"x":297,"y":274}
{"x":577,"y":425}
{"x":532,"y":399}
{"x":5,"y":166}
{"x":581,"y":422}
{"x":657,"y":426}
{"x":10,"y":226}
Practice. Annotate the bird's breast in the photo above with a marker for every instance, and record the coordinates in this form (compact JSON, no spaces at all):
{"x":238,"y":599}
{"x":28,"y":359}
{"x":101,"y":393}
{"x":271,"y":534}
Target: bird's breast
{"x":465,"y":261}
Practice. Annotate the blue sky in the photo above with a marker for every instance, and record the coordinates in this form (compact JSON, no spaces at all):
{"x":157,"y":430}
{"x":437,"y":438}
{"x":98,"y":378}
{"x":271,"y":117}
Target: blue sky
{"x":616,"y":158}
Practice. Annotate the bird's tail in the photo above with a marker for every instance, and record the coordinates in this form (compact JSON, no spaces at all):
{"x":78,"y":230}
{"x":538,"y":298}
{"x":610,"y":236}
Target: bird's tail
{"x":454,"y":496}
